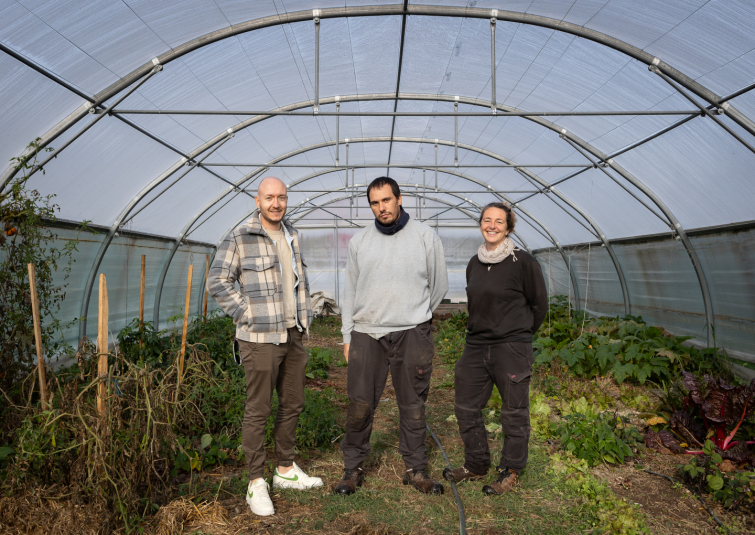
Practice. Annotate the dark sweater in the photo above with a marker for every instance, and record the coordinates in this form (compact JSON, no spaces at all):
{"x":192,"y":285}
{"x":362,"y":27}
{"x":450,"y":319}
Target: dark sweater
{"x":507,"y":303}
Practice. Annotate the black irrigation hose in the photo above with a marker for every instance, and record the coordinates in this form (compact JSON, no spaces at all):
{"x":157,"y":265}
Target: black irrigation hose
{"x":718,"y":520}
{"x":459,"y":505}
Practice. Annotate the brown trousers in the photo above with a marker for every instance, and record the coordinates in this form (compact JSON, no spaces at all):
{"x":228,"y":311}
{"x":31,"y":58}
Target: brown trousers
{"x":269,"y":367}
{"x":409,"y":356}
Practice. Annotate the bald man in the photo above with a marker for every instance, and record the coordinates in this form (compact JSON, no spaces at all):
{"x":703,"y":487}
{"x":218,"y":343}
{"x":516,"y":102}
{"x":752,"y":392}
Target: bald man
{"x":271,"y":312}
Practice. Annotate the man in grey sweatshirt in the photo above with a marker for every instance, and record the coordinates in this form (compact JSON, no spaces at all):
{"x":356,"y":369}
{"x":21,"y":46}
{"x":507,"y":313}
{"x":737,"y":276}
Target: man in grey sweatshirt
{"x":395,"y":278}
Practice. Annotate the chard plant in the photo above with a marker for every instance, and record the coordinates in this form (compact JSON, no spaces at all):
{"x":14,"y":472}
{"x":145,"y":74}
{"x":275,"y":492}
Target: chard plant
{"x":723,"y":409}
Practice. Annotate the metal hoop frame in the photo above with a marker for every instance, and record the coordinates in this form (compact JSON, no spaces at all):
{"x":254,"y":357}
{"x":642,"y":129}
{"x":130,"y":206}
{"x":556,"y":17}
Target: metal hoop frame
{"x":426,"y":10}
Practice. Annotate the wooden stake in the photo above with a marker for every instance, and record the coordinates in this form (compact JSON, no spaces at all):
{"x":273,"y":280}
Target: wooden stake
{"x":206,"y":276}
{"x":141,"y":295}
{"x":186,"y":324}
{"x":102,"y":345}
{"x":38,"y":336}
{"x":141,"y":301}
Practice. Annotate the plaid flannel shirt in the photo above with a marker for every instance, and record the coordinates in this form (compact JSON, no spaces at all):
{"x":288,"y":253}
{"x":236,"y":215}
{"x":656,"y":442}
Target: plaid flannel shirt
{"x":248,"y":255}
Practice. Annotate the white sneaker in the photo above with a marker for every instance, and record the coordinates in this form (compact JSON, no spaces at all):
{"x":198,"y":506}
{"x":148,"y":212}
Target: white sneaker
{"x":295,"y":479}
{"x":258,"y":498}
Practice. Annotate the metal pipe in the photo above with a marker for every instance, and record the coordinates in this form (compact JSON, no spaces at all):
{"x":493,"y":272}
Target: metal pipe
{"x":398,"y":81}
{"x":416,"y":166}
{"x":456,"y":133}
{"x":443,"y":11}
{"x":353,"y":192}
{"x":356,"y":11}
{"x":609,"y":175}
{"x":338,"y":120}
{"x":498,"y":113}
{"x":335,"y":244}
{"x":436,"y":165}
{"x":737,"y":93}
{"x":86,"y":127}
{"x":702,"y":108}
{"x":356,"y":188}
{"x":492,"y":65}
{"x":424,"y":182}
{"x":153,"y":199}
{"x":316,"y":108}
{"x":385,"y":96}
{"x":44,"y":72}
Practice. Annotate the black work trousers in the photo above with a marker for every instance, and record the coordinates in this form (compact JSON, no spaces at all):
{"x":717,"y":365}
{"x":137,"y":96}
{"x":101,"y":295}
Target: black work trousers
{"x":508,"y":365}
{"x":409,"y":356}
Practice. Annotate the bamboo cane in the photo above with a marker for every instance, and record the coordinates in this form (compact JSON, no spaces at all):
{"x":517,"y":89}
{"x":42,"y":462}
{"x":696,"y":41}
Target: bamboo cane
{"x":186,"y":324}
{"x":206,"y":276}
{"x":38,"y":335}
{"x":141,"y":301}
{"x":102,"y":345}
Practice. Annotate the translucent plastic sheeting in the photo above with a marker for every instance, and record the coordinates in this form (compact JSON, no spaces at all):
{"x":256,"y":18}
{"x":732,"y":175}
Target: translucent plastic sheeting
{"x":663,"y":287}
{"x":459,"y":246}
{"x":96,"y":176}
{"x":616,"y":211}
{"x":699,"y":171}
{"x":558,"y":220}
{"x":555,"y":273}
{"x":122,"y":269}
{"x":318,"y":247}
{"x":664,"y":290}
{"x":599,"y":286}
{"x":19,"y":123}
{"x":728,"y":259}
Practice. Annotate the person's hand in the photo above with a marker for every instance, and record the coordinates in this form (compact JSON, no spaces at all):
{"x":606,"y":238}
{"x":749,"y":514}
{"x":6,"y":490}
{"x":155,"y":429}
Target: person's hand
{"x":346,"y":352}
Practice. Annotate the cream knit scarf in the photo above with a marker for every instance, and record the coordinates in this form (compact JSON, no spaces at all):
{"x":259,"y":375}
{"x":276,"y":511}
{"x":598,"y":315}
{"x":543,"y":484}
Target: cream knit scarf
{"x":505,"y":249}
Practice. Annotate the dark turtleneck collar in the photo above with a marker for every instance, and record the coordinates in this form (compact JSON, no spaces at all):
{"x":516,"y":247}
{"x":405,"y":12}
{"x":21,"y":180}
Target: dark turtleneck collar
{"x":394,"y":227}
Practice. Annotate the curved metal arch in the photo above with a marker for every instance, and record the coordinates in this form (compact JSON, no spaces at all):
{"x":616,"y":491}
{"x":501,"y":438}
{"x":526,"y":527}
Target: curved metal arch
{"x":565,"y":199}
{"x":396,"y":9}
{"x":501,"y":196}
{"x":407,"y":194}
{"x":389,"y":96}
{"x":331,"y":201}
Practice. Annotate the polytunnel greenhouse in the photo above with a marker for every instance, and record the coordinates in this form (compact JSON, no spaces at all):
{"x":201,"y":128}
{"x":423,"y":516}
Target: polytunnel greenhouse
{"x":621,"y":133}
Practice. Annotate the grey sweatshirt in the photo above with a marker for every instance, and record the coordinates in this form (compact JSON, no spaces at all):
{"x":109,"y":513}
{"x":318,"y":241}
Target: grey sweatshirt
{"x":393,"y":283}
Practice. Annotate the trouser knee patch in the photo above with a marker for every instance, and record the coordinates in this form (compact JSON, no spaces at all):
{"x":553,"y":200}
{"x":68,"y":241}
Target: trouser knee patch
{"x":414,"y":417}
{"x":358,"y":416}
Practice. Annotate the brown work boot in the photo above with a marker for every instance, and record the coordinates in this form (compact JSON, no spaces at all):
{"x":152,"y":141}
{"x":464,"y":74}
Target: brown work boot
{"x":350,"y":481}
{"x":422,"y":482}
{"x":506,"y":480}
{"x":458,"y":475}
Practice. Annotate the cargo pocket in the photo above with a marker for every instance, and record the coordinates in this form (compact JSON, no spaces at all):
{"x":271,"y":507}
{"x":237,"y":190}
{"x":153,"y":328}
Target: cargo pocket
{"x":519,"y":390}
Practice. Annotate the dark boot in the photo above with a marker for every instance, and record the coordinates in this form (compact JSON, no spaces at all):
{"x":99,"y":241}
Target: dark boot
{"x":507,"y":479}
{"x":350,"y":481}
{"x":422,"y":482}
{"x":461,"y":474}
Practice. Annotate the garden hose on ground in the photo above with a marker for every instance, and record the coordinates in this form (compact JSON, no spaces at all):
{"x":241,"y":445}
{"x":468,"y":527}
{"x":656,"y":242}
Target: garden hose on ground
{"x":718,"y":520}
{"x":459,"y":505}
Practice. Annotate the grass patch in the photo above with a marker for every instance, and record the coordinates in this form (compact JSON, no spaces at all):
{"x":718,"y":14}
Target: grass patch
{"x":326,"y":326}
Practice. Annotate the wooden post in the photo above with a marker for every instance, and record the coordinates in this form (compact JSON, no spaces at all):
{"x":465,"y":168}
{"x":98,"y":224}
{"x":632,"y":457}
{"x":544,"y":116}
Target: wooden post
{"x":186,"y":324}
{"x":206,"y":276}
{"x":102,"y":346}
{"x":38,"y":336}
{"x":141,"y":301}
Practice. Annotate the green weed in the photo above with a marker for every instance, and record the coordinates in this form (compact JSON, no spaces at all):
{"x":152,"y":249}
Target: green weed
{"x":597,"y":437}
{"x":611,"y":514}
{"x":318,"y":365}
